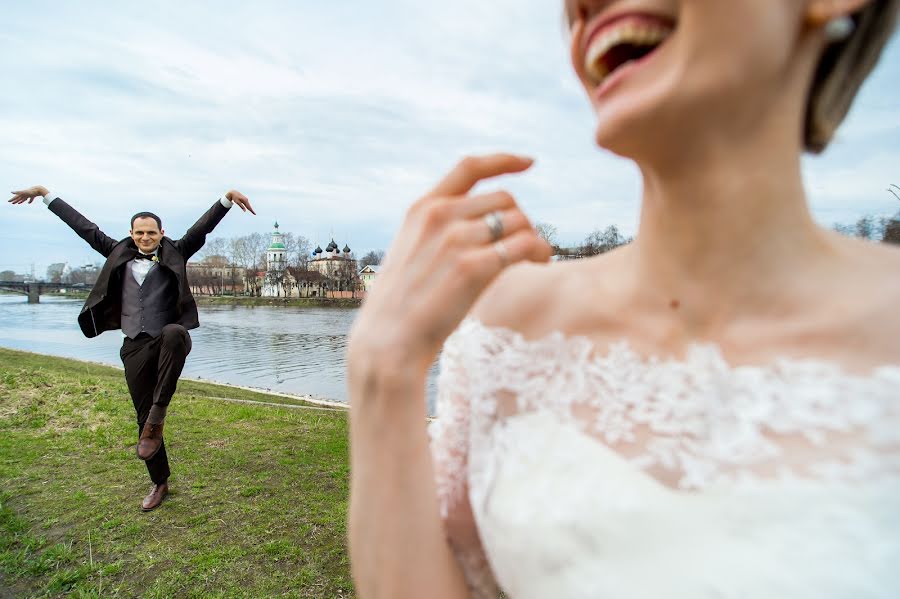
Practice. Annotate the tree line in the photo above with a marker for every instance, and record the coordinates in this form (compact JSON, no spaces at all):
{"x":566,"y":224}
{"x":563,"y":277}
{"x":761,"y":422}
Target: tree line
{"x":599,"y":241}
{"x":242,"y":259}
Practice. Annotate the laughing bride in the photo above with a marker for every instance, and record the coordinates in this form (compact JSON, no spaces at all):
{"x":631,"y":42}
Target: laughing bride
{"x":710,"y":411}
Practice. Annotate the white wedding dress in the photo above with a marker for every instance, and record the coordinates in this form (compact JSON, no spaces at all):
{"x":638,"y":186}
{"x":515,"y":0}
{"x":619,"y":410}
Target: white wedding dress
{"x":564,"y":472}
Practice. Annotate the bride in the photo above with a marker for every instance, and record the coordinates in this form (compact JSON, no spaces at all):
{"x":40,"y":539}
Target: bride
{"x":710,"y":411}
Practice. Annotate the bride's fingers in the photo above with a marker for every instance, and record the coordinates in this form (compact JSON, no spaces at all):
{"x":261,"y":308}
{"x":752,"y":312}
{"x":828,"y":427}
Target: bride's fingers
{"x":486,"y":262}
{"x":469,"y":171}
{"x":474,"y":232}
{"x":485,"y":203}
{"x":523,"y":246}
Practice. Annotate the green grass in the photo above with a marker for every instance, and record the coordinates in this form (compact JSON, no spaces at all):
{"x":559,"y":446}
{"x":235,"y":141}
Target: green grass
{"x":258,"y":494}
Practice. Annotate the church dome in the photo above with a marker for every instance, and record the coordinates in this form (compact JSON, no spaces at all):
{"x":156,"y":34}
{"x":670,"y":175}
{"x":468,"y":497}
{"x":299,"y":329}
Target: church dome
{"x":318,"y":250}
{"x":346,"y":249}
{"x":277,"y":237}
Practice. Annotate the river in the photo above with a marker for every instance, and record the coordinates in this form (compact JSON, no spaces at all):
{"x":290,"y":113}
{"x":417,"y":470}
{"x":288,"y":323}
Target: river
{"x":292,"y":350}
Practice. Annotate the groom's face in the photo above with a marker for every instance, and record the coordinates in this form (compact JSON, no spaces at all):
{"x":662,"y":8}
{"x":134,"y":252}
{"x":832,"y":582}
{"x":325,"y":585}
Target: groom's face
{"x":146,"y":234}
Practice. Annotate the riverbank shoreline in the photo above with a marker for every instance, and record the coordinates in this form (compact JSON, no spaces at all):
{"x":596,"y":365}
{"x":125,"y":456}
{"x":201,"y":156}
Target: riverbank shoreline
{"x":235,"y":300}
{"x":305,"y":399}
{"x":296,"y":302}
{"x":257,"y":504}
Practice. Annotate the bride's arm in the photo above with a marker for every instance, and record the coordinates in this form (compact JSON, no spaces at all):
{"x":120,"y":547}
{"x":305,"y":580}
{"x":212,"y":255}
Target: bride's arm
{"x":450,"y":443}
{"x":397,"y":542}
{"x":441,"y":262}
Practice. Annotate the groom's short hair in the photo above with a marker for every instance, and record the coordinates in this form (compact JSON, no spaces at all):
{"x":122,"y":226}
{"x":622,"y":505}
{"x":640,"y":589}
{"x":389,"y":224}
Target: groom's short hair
{"x":146,"y":215}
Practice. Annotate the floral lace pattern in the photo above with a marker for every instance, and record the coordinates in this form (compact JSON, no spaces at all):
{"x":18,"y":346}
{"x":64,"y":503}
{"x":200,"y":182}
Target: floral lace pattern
{"x":695,"y":424}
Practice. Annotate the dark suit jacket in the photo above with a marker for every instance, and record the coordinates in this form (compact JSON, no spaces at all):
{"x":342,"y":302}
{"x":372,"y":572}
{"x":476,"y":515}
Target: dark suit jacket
{"x":103,"y":309}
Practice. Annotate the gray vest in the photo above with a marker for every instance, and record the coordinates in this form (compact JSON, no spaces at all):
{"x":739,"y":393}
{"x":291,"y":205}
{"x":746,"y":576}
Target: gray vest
{"x":149,"y":307}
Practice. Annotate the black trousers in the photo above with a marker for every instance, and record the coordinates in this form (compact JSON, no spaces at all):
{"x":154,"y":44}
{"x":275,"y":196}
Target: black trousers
{"x":152,"y":368}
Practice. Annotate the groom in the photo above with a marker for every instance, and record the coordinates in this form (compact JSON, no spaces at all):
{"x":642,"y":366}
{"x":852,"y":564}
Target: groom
{"x":143,"y":290}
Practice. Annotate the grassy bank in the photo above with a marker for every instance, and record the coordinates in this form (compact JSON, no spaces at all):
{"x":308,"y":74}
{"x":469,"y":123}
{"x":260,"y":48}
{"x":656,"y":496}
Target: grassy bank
{"x":302,"y":302}
{"x":258,"y":494}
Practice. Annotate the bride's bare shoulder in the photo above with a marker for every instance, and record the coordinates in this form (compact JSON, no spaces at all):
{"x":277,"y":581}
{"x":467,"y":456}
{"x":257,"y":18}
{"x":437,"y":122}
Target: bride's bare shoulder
{"x":872,"y":269}
{"x":535,"y":299}
{"x":855,"y":308}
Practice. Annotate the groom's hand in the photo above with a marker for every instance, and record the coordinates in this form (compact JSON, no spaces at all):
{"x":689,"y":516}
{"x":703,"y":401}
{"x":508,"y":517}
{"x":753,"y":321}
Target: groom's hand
{"x":28,"y":195}
{"x":240,"y":199}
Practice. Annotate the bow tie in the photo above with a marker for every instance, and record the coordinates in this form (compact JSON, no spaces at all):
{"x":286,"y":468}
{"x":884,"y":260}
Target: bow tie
{"x":145,"y":257}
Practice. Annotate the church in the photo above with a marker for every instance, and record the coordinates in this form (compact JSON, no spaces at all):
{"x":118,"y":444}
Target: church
{"x":331,"y":261}
{"x":274,"y":284}
{"x":331,"y":271}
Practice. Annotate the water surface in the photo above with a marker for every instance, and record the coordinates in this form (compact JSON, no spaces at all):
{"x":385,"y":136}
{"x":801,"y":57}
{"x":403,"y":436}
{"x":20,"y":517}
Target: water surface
{"x":288,"y":349}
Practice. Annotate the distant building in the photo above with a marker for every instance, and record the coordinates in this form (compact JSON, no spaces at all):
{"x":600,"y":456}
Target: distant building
{"x":214,"y":275}
{"x":367,"y":276}
{"x":332,"y":262}
{"x":573,"y":253}
{"x":339,"y":268}
{"x":277,"y":281}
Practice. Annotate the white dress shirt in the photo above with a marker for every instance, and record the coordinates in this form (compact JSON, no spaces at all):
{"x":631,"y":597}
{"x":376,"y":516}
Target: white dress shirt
{"x":141,"y":268}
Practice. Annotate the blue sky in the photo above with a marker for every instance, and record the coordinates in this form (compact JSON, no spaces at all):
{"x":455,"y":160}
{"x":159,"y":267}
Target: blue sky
{"x":331,"y":117}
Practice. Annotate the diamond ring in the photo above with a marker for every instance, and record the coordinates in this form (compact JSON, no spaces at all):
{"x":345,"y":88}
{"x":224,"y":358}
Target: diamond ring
{"x":495,"y":224}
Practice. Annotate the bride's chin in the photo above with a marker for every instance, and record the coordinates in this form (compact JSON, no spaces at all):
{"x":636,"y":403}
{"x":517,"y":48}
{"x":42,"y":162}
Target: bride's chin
{"x":633,"y":139}
{"x":640,"y":121}
{"x":644,"y":131}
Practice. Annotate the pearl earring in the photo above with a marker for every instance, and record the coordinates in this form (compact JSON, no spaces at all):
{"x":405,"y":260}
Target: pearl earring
{"x":839,"y":29}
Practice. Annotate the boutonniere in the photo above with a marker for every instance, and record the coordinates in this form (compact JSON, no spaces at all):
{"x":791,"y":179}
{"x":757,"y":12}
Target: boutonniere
{"x":155,"y":258}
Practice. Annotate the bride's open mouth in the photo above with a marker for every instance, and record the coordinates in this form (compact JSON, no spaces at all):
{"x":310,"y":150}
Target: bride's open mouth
{"x":616,"y":44}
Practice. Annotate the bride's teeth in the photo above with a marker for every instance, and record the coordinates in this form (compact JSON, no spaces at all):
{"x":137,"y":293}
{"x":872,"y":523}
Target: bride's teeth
{"x":636,"y":34}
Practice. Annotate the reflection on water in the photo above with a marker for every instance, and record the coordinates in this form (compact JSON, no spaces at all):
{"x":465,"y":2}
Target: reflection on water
{"x":292,"y":350}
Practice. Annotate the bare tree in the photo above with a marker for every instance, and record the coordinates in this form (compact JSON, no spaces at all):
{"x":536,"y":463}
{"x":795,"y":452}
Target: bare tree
{"x":308,"y":281}
{"x":599,"y":242}
{"x":217,"y":246}
{"x":894,"y":190}
{"x":891,"y":230}
{"x":865,"y":228}
{"x":891,"y":226}
{"x":373,"y":258}
{"x":83,"y":275}
{"x":547,"y":232}
{"x":297,"y":250}
{"x":844,"y":229}
{"x":346,"y":276}
{"x":55,"y":272}
{"x":249,"y":253}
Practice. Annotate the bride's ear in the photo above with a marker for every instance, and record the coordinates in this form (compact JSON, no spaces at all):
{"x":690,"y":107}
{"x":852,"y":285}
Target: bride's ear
{"x":821,"y":12}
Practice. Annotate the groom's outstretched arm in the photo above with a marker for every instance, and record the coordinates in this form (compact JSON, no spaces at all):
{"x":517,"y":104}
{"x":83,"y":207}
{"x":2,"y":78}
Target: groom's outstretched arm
{"x":195,"y":237}
{"x":87,"y":230}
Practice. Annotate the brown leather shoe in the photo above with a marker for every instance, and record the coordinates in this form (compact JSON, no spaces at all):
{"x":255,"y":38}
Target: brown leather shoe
{"x":150,"y":441}
{"x":156,"y":496}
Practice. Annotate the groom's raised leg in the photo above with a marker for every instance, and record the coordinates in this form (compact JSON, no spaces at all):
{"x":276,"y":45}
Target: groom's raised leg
{"x":174,"y":347}
{"x":141,"y":359}
{"x":158,"y":463}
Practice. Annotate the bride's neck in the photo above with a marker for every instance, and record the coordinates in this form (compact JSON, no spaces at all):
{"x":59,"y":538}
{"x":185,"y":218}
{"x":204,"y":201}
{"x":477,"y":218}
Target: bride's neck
{"x":724,"y":230}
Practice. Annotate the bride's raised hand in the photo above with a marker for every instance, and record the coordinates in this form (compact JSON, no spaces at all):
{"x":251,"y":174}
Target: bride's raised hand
{"x":451,"y":246}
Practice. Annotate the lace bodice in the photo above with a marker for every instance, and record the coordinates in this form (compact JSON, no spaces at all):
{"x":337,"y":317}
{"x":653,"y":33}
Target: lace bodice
{"x":560,"y":469}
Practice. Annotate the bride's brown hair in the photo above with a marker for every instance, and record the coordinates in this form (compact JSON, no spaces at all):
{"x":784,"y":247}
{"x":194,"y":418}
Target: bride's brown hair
{"x":842,"y":70}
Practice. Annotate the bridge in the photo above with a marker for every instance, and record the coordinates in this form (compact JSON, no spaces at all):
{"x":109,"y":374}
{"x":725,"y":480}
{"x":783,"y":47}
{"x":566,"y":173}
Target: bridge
{"x":34,"y":289}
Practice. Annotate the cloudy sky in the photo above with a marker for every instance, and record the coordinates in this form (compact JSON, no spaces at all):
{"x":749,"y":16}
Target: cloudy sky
{"x":331,"y":116}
